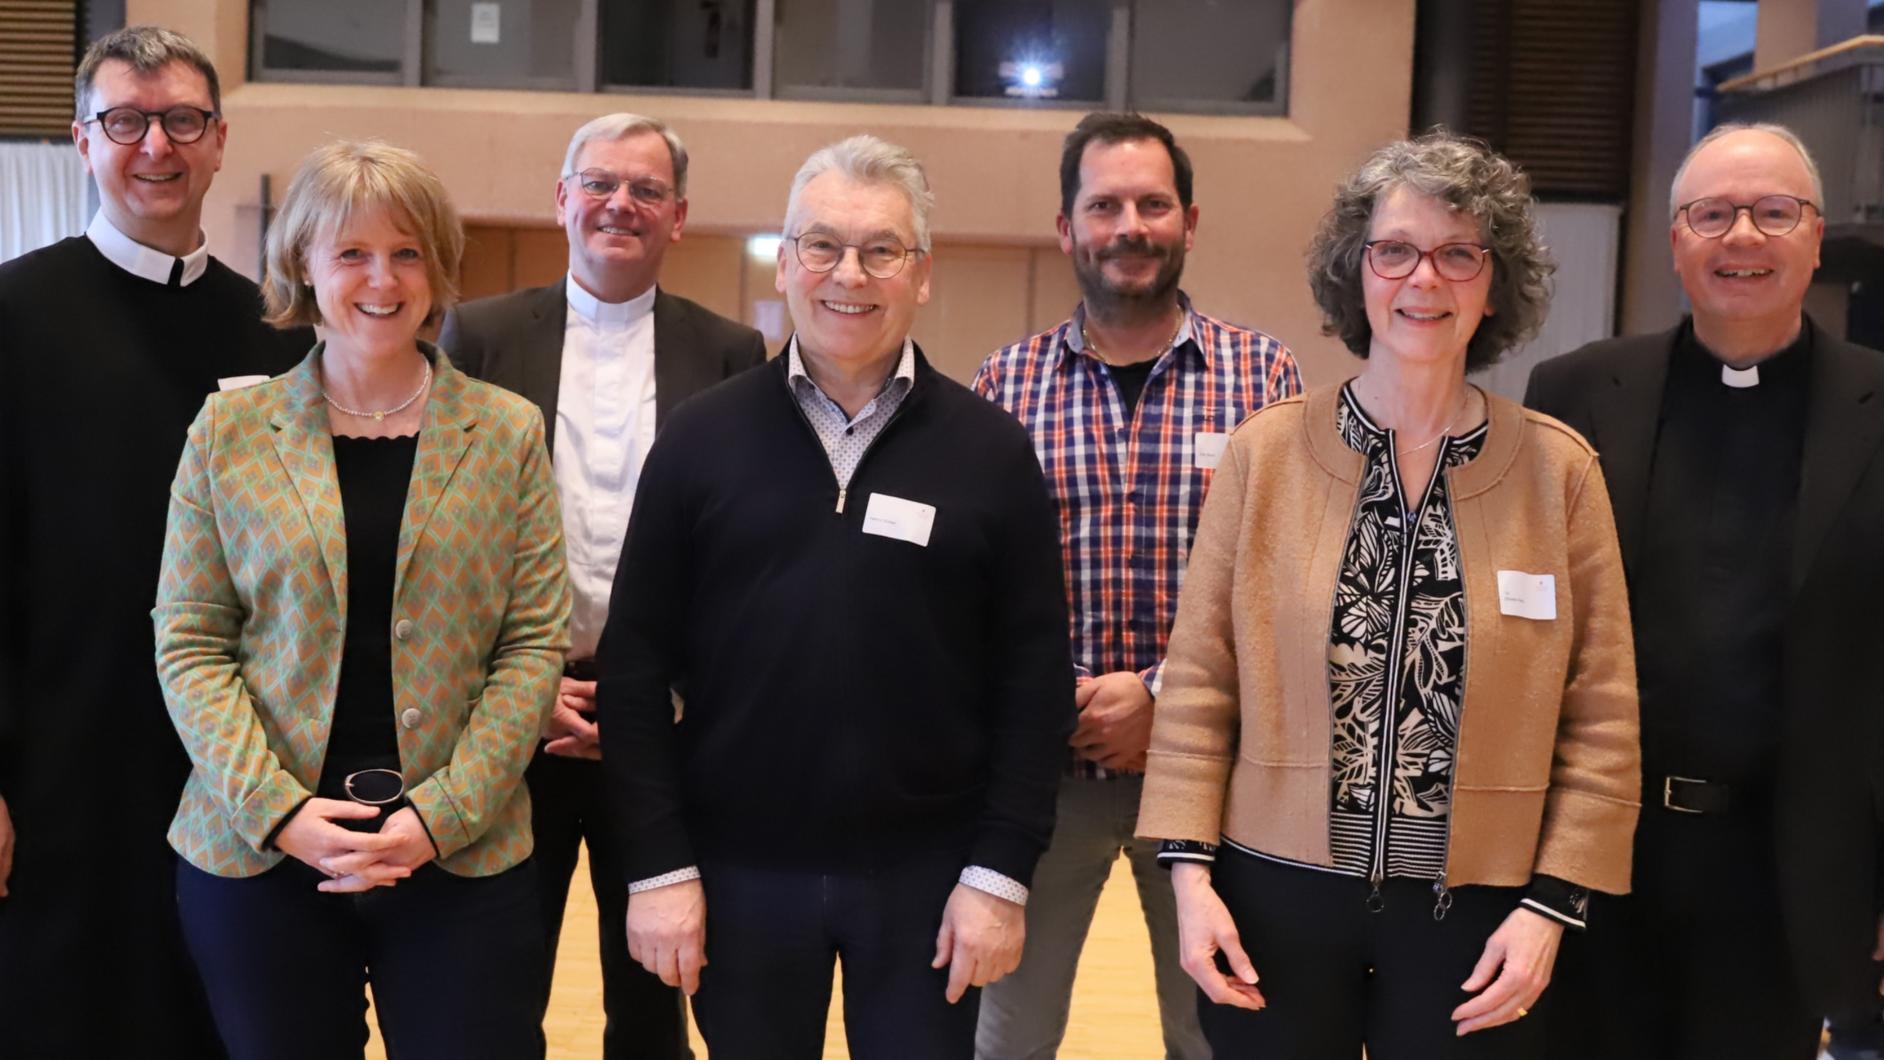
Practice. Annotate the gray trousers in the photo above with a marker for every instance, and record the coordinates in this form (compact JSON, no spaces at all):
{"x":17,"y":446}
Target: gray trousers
{"x":1023,"y":1017}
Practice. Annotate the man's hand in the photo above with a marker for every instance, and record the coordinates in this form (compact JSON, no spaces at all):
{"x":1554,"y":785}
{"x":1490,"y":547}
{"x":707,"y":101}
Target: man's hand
{"x":1114,"y":721}
{"x":570,"y":732}
{"x":312,"y":838}
{"x":980,"y":940}
{"x":6,"y":847}
{"x":667,"y":932}
{"x":1206,"y":929}
{"x":1525,"y":946}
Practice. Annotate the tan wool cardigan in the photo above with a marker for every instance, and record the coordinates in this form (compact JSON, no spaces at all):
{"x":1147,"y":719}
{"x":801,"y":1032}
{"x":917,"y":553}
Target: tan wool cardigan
{"x":1547,"y":776}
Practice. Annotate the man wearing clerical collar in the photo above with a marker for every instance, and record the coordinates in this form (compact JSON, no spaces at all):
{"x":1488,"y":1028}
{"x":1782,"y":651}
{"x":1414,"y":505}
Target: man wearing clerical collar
{"x":1740,"y":450}
{"x":108,"y":344}
{"x":606,"y":353}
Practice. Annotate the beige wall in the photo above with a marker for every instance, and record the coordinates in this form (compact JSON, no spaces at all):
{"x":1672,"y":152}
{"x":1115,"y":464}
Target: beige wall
{"x":1261,"y":182}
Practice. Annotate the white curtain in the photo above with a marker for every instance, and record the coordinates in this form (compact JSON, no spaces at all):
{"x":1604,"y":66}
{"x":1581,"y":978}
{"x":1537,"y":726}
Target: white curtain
{"x":1584,"y":238}
{"x":43,"y":192}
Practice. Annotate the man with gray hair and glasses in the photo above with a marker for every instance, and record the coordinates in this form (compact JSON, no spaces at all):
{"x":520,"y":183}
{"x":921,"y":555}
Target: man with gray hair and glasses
{"x":848,"y":567}
{"x":1744,"y":452}
{"x":108,"y":344}
{"x":607,"y":354}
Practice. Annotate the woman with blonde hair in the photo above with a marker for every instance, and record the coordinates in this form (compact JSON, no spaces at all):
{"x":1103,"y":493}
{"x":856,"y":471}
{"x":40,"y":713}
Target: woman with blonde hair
{"x":1396,"y":744}
{"x":360,"y":625}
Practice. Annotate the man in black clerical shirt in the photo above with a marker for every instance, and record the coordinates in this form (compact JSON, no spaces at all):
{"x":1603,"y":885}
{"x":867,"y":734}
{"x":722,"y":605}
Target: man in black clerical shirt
{"x":607,"y":354}
{"x":108,"y":344}
{"x":1741,"y":451}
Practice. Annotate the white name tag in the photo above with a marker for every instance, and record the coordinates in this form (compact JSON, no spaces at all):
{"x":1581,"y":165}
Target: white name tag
{"x":237,"y":382}
{"x":1527,"y":595}
{"x":1207,"y":448}
{"x":903,"y":520}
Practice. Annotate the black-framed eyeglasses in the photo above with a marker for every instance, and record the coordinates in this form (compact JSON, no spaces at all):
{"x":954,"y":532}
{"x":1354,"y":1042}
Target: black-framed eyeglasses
{"x":1775,"y":215}
{"x":129,"y":126}
{"x":1393,"y":259}
{"x":601,"y":184}
{"x":883,"y":258}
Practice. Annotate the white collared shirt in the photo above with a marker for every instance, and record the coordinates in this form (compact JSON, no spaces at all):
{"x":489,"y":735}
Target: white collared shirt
{"x":142,"y":261}
{"x":604,"y":428}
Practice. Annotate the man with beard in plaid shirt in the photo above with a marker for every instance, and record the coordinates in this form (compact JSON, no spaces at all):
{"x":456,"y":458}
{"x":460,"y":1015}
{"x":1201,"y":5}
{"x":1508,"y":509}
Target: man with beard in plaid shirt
{"x":1129,"y":404}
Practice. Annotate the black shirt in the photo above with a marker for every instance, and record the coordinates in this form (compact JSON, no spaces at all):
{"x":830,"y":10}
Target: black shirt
{"x":373,"y":474}
{"x":1711,"y":591}
{"x":1130,"y":379}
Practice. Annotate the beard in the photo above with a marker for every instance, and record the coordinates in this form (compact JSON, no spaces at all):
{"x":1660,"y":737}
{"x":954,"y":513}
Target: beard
{"x":1111,"y":301}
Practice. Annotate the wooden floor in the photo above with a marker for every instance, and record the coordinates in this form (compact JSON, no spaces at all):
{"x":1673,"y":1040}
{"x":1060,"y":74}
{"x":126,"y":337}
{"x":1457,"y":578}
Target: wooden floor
{"x":1115,"y":1011}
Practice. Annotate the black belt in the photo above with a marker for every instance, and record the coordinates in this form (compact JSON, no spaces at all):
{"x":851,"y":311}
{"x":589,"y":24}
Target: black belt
{"x":1689,"y":795}
{"x":580,"y":669}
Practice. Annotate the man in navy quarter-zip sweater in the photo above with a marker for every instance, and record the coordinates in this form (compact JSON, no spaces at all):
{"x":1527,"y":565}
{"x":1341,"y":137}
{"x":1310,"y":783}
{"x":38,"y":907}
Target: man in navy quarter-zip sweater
{"x":847,"y":567}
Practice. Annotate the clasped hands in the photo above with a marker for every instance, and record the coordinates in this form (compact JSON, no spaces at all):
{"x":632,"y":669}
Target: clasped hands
{"x":355,"y":861}
{"x":979,"y":942}
{"x":1114,"y":720}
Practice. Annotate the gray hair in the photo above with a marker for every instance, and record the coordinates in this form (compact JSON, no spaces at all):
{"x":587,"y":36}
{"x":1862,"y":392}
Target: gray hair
{"x":869,"y":160}
{"x":620,"y":126}
{"x":1728,"y":128}
{"x":1467,"y":175}
{"x":147,"y":49}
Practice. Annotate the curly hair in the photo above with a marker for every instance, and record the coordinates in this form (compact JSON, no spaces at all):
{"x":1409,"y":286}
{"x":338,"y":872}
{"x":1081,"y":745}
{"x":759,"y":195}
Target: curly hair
{"x":1467,"y":175}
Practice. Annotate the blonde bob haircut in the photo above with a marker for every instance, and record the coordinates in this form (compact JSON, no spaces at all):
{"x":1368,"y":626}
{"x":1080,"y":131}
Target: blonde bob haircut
{"x":333,"y":184}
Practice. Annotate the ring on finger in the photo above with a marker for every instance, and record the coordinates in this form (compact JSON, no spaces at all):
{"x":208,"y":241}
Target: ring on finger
{"x":1523,"y":1012}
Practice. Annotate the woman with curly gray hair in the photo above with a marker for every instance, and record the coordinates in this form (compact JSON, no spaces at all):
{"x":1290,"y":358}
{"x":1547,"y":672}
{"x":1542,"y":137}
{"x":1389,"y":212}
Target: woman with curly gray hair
{"x":1396,"y":744}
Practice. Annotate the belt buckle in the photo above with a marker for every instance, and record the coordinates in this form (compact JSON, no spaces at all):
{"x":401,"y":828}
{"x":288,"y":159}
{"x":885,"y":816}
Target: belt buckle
{"x":1668,"y":793}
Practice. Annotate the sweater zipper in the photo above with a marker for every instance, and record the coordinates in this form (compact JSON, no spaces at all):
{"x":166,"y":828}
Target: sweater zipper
{"x":1442,"y":895}
{"x":1409,"y":533}
{"x":843,"y":491}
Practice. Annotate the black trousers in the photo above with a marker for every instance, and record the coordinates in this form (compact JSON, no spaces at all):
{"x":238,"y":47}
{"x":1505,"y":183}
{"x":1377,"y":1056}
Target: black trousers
{"x":454,"y":963}
{"x":1693,"y":964}
{"x":772,"y":937}
{"x":647,"y":1020}
{"x":92,"y":961}
{"x":1339,"y":977}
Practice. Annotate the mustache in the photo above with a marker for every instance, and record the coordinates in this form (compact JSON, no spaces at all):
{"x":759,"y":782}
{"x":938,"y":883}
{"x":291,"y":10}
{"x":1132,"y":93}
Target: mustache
{"x":1138,"y":248}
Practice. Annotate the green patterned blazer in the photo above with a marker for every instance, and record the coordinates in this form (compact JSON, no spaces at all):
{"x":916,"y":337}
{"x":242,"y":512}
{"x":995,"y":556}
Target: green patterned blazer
{"x":251,"y":612}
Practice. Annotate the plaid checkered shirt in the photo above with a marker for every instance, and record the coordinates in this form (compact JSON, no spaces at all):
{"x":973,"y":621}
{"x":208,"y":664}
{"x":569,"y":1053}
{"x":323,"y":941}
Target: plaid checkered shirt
{"x":1129,"y":485}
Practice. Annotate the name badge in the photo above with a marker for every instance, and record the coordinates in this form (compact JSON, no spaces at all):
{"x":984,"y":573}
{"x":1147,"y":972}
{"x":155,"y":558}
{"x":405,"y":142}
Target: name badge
{"x":903,"y":520}
{"x":1532,"y":596}
{"x":237,"y":382}
{"x":1207,"y":449}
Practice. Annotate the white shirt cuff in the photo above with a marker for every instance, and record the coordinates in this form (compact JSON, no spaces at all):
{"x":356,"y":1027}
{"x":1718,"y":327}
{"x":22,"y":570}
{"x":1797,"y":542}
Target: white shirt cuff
{"x":691,"y":872}
{"x":991,"y":882}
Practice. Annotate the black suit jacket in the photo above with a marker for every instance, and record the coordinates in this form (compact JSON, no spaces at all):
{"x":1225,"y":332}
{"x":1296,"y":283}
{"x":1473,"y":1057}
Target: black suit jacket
{"x":516,"y":341}
{"x":1829,"y":804}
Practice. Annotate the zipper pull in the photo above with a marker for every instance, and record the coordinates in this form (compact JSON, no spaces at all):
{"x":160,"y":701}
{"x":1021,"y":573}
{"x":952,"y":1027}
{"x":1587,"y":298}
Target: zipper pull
{"x":1442,"y":902}
{"x":1375,"y":903}
{"x":841,"y":491}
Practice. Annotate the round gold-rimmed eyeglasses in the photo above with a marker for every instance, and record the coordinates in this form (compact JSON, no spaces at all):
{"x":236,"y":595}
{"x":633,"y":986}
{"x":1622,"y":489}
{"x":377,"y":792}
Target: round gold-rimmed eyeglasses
{"x":883,"y":258}
{"x":1774,"y":215}
{"x":1394,"y":259}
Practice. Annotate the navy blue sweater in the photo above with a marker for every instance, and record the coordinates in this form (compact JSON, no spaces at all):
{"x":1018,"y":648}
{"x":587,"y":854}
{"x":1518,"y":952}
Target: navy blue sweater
{"x":850,"y":699}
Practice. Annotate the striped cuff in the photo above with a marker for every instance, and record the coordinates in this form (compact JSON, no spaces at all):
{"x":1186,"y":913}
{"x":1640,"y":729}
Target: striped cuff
{"x":1171,"y":851}
{"x":691,"y":872}
{"x":988,"y":881}
{"x":1560,"y":900}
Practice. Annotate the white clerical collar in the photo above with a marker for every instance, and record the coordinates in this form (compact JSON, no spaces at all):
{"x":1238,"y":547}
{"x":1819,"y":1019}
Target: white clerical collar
{"x":607,"y":314}
{"x":1740,"y":378}
{"x":139,"y":260}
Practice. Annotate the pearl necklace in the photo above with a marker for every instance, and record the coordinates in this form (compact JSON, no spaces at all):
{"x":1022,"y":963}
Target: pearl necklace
{"x":381,"y":414}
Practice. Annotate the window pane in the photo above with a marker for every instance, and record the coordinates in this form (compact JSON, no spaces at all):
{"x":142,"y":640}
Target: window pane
{"x":1208,"y":51}
{"x":348,"y":35}
{"x":502,"y":42}
{"x":1040,"y":49}
{"x":852,"y":44}
{"x":677,"y":43}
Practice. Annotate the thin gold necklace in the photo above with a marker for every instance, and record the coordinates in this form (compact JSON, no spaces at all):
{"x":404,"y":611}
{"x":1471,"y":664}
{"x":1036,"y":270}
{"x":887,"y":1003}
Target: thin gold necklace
{"x":1465,"y":402}
{"x":1086,"y":338}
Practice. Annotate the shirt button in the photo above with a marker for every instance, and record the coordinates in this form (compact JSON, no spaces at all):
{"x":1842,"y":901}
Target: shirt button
{"x":410,"y":717}
{"x":402,"y":628}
